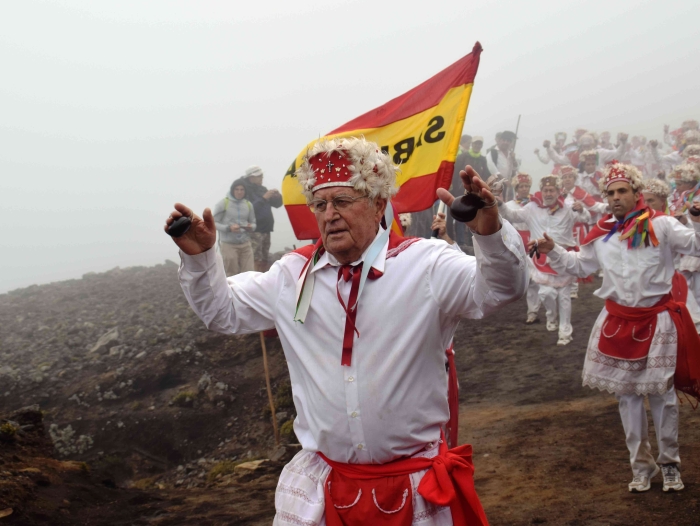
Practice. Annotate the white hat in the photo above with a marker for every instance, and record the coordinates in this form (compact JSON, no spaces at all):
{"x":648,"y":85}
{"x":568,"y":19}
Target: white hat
{"x":253,"y":171}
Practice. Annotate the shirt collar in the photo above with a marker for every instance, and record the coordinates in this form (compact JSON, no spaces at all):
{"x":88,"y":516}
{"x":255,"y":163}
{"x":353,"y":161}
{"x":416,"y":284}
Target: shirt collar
{"x":329,"y":260}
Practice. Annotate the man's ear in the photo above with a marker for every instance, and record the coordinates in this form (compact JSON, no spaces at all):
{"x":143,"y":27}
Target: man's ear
{"x":380,"y":203}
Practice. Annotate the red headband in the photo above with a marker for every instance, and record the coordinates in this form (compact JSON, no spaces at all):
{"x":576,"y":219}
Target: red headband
{"x":330,"y":169}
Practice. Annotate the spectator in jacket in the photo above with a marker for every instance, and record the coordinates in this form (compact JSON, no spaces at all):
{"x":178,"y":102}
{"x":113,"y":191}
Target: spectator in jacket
{"x":235,"y":220}
{"x":263,"y":200}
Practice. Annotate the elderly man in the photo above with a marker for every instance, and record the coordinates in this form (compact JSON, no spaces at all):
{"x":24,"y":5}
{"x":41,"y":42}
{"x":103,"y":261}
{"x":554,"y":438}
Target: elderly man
{"x":547,"y":212}
{"x":644,"y":342}
{"x":369,"y":386}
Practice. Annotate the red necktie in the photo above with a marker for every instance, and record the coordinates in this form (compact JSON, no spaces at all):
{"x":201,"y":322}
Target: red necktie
{"x":348,"y":272}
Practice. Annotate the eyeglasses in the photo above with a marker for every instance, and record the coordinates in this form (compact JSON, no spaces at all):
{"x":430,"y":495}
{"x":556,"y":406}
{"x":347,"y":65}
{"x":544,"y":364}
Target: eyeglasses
{"x":340,"y":202}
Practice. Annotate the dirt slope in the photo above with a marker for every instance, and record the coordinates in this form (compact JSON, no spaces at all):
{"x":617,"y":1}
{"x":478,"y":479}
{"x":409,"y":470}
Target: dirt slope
{"x":163,"y":411}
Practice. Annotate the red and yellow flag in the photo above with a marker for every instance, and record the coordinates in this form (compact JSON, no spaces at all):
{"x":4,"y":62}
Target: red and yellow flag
{"x":420,"y":129}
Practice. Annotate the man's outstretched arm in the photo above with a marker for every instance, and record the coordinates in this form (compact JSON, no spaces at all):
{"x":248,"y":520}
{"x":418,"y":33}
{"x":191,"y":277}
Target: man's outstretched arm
{"x":240,"y":304}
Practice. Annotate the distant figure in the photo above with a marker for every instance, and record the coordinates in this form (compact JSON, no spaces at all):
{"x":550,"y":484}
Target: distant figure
{"x":465,"y":143}
{"x":235,"y":220}
{"x":470,"y":156}
{"x":263,"y":200}
{"x":501,"y":160}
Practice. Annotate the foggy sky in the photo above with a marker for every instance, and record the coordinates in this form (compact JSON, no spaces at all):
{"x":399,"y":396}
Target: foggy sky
{"x":112,"y":111}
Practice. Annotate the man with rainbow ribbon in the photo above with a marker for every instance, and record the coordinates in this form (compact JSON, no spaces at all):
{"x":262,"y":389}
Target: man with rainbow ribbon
{"x":644,"y":342}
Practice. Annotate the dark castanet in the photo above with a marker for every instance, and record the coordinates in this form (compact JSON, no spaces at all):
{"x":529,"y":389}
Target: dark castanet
{"x":465,"y":207}
{"x":179,"y":227}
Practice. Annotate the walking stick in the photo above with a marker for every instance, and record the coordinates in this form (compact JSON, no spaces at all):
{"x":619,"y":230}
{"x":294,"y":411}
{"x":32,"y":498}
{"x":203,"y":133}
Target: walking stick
{"x":269,"y":390}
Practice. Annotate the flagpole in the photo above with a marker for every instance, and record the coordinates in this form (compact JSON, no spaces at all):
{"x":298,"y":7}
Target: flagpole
{"x":441,"y":210}
{"x":269,"y":390}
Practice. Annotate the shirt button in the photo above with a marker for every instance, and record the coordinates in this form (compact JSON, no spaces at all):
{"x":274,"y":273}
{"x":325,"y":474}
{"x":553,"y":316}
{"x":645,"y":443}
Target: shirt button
{"x":353,"y":414}
{"x":360,"y":446}
{"x":351,"y":379}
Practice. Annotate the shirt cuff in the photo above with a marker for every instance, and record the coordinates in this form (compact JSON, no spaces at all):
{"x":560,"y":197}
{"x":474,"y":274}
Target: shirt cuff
{"x":555,"y":254}
{"x":199,"y":262}
{"x":496,"y":243}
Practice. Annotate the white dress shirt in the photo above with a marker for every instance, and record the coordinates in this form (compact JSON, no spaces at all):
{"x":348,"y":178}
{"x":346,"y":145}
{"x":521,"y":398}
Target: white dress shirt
{"x":504,"y":165}
{"x":559,"y":226}
{"x":392,"y":400}
{"x":604,"y":156}
{"x":637,"y":277}
{"x":513,"y":205}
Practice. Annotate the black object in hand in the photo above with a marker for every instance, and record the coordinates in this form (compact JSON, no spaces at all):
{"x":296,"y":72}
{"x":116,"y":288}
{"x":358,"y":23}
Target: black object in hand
{"x":534,"y":251}
{"x":694,"y":211}
{"x":180,"y":226}
{"x":465,"y":207}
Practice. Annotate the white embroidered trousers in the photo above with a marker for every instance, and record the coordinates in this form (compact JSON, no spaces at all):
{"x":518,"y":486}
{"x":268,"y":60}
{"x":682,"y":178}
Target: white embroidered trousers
{"x":557,"y":302}
{"x":664,"y":412}
{"x":533,"y":297}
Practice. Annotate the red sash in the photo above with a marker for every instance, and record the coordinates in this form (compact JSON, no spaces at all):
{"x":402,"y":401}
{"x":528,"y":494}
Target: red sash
{"x":628,"y":332}
{"x":380,"y":494}
{"x":679,"y":288}
{"x":542,"y":265}
{"x":581,"y":195}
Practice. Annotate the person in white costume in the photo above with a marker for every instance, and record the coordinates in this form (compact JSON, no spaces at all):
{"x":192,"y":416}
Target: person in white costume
{"x":587,"y":142}
{"x":687,"y":179}
{"x":559,"y":142}
{"x":575,"y":194}
{"x":644,"y":343}
{"x":547,"y":212}
{"x":521,"y":184}
{"x":656,"y":194}
{"x":669,"y":161}
{"x":369,"y":387}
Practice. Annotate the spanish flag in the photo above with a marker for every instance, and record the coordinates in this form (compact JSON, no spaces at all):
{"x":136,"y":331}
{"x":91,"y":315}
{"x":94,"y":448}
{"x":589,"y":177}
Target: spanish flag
{"x":420,"y":129}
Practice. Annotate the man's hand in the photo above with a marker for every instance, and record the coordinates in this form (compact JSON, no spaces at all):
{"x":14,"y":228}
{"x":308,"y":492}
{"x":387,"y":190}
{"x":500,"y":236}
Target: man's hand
{"x":577,"y":206}
{"x":654,"y":143}
{"x":202,"y":234}
{"x":440,"y":225}
{"x":270,"y":193}
{"x":666,"y":128}
{"x":545,"y":245}
{"x":537,"y":150}
{"x":487,"y":220}
{"x":622,"y":137}
{"x":681,"y":217}
{"x":234,"y":228}
{"x":546,"y":144}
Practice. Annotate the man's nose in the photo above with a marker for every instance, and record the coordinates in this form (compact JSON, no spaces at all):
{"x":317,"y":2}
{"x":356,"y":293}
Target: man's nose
{"x":330,"y":213}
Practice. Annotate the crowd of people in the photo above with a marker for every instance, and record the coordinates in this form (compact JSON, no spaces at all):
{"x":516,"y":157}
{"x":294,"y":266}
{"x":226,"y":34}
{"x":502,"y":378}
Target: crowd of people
{"x":637,"y":348}
{"x":371,"y":388}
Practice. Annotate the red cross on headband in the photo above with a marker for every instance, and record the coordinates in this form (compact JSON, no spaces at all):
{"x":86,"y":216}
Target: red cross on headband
{"x":331,"y":169}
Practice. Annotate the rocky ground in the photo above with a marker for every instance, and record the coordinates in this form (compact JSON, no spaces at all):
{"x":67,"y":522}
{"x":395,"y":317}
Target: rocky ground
{"x":144,"y":417}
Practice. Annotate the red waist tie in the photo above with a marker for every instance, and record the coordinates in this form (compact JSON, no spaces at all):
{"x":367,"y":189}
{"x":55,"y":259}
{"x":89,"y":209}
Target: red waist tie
{"x":449,"y":481}
{"x":618,"y":338}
